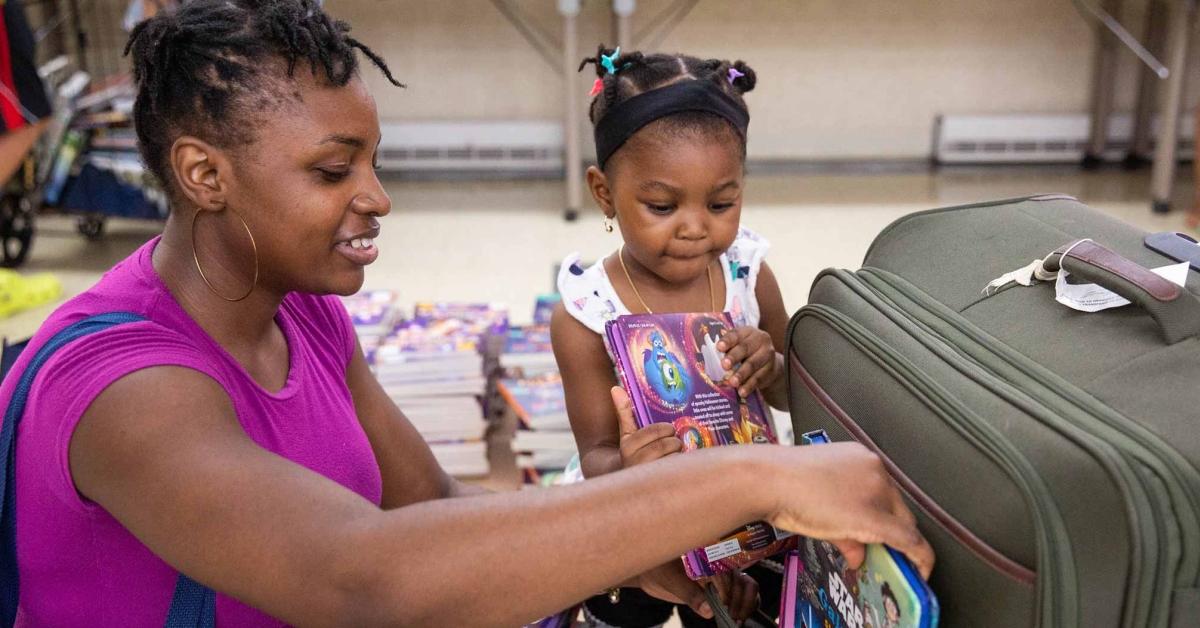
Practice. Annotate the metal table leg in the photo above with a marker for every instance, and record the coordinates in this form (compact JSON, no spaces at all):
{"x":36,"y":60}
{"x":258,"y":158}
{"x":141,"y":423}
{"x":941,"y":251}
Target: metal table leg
{"x":623,"y":22}
{"x":1140,"y":144}
{"x":1162,"y":177}
{"x":1104,"y":69}
{"x":572,"y":153}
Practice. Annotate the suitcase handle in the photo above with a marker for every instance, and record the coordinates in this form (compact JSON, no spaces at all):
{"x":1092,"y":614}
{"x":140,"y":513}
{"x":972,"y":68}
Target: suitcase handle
{"x":1176,"y":310}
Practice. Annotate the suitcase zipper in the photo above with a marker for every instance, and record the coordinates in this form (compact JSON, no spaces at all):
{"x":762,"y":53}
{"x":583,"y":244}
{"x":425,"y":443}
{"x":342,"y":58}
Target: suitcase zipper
{"x":1169,"y":552}
{"x":1144,"y":445}
{"x":986,"y":553}
{"x":1057,"y":589}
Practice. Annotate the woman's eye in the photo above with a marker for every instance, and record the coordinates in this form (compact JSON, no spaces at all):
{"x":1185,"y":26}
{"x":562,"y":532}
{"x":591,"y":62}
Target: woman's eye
{"x":660,"y":209}
{"x":720,"y":207}
{"x":333,"y":176}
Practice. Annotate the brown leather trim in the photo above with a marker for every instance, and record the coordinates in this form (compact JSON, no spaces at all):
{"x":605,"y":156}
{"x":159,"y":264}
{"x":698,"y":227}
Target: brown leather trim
{"x":1126,"y":269}
{"x":988,"y":554}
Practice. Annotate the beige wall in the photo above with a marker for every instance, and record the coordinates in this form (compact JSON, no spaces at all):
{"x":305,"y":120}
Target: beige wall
{"x":838,"y":78}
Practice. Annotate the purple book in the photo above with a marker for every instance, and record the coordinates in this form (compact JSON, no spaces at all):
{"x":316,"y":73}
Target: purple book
{"x":672,"y":370}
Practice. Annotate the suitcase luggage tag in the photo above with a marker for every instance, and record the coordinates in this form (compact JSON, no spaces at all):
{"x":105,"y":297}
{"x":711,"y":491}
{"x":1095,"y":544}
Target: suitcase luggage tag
{"x":1084,"y":297}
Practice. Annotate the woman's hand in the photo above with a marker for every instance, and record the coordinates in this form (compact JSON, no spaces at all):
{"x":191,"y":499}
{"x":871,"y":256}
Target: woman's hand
{"x":842,"y":493}
{"x":753,"y":353}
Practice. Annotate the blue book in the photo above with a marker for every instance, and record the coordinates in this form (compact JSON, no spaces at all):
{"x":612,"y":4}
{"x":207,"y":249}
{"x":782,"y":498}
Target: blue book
{"x":821,"y":591}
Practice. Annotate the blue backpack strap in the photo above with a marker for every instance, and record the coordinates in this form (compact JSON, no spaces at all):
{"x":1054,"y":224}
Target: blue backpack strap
{"x":194,"y":609}
{"x":193,"y":605}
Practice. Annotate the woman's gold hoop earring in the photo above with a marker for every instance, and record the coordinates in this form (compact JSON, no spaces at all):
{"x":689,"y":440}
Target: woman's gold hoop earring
{"x":608,"y":224}
{"x":196,"y":257}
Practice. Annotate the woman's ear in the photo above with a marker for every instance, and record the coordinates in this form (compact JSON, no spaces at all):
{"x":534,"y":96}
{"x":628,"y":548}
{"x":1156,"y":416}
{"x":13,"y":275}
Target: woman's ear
{"x":197,"y":167}
{"x":597,"y":182}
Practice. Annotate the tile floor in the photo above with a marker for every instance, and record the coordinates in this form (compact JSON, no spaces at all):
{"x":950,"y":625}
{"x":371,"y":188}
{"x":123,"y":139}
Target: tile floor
{"x":500,"y":241}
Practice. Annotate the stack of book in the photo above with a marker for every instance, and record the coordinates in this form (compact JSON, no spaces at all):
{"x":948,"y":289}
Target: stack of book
{"x":374,"y":314}
{"x":433,"y":365}
{"x":527,"y":351}
{"x":543,"y":441}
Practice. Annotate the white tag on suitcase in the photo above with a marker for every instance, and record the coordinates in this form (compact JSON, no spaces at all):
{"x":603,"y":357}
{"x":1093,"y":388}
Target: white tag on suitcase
{"x":1089,"y":297}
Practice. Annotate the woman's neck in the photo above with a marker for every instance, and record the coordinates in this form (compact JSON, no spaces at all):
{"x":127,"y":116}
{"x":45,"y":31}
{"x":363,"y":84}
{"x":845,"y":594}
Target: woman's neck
{"x":234,"y":325}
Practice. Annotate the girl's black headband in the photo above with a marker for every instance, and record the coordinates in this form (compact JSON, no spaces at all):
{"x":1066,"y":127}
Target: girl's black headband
{"x":625,"y":119}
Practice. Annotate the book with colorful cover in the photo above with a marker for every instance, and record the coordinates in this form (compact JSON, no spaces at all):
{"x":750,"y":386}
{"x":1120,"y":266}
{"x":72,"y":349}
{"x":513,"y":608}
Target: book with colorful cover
{"x":372,"y":312}
{"x":672,"y":370}
{"x":538,"y":402}
{"x":543,"y":309}
{"x":483,"y":319}
{"x":529,"y":339}
{"x":820,"y":590}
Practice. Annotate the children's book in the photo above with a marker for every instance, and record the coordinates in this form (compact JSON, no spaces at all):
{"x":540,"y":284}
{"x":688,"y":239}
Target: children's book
{"x":538,"y":402}
{"x":886,"y":591}
{"x":544,"y":308}
{"x":820,"y":590}
{"x":672,"y":370}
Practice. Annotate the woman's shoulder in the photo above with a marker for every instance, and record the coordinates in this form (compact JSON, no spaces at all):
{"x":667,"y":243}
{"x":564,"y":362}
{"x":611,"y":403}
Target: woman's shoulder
{"x":587,"y":294}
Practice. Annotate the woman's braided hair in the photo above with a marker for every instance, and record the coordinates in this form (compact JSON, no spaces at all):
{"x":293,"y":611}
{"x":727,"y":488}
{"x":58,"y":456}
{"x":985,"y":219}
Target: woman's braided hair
{"x":202,"y":68}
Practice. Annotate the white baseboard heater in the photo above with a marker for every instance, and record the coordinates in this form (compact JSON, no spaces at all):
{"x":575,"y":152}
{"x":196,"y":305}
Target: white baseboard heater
{"x":451,"y":147}
{"x":1036,"y":138}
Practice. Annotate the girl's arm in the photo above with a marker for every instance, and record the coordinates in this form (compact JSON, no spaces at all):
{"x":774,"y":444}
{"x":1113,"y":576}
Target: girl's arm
{"x":754,"y":356}
{"x":183,"y":477}
{"x":773,"y":319}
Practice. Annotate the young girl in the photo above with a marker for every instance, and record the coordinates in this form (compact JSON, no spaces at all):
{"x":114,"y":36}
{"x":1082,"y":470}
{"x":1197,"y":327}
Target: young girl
{"x":671,"y":145}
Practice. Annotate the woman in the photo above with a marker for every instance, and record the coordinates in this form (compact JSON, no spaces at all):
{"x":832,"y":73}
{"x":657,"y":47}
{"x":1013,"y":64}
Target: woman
{"x":235,"y":434}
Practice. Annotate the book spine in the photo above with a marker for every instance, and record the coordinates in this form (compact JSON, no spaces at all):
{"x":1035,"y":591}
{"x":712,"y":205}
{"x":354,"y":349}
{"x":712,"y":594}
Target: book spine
{"x":787,"y":605}
{"x":626,"y":372}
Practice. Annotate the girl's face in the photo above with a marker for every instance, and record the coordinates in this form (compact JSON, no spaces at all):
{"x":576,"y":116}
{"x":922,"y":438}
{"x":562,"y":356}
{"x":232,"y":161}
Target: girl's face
{"x":677,"y":199}
{"x":307,"y":189}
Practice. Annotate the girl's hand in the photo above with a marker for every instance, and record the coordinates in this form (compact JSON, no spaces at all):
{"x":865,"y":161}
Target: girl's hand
{"x":751,"y":350}
{"x":669,"y":582}
{"x":639,"y":446}
{"x":842,"y":493}
{"x":738,"y":592}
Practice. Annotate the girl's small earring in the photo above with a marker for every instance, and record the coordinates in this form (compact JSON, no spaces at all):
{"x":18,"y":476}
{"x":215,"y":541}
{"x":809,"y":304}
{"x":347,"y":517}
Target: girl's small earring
{"x":608,"y":224}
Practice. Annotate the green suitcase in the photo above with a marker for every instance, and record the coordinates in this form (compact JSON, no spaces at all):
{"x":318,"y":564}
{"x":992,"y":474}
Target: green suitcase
{"x":1052,"y":456}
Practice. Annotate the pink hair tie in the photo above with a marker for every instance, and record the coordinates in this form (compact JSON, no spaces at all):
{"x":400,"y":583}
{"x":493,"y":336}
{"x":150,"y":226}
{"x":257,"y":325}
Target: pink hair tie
{"x":597,"y":87}
{"x":734,"y":74}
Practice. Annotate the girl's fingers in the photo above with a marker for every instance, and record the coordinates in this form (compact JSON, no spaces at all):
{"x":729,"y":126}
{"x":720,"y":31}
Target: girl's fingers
{"x":728,"y":340}
{"x":755,"y":370}
{"x":734,"y":356}
{"x":745,"y":600}
{"x":626,"y":424}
